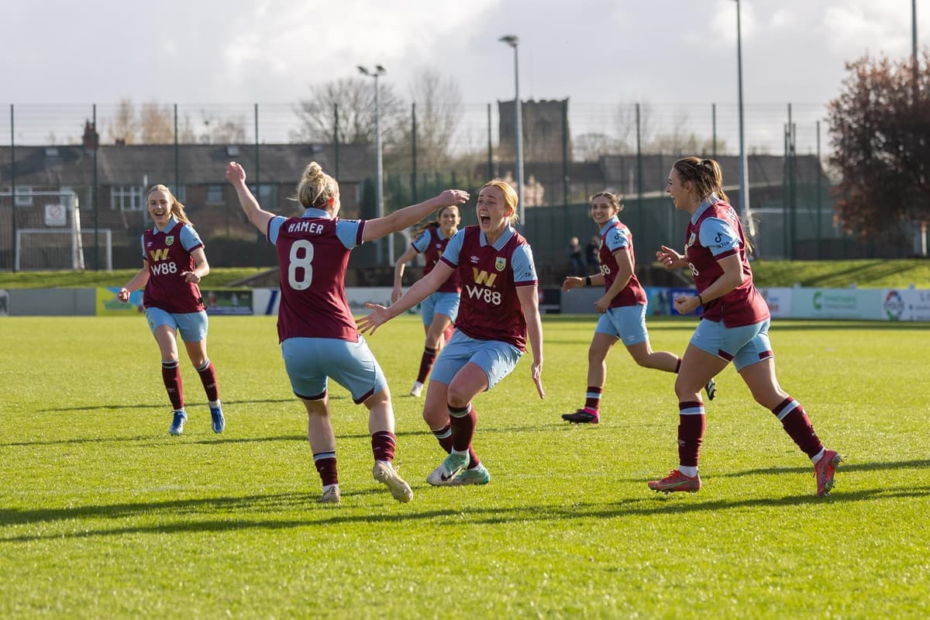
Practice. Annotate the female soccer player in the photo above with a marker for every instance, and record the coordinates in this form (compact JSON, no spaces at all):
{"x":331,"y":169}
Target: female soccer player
{"x":173,"y":263}
{"x":734,"y":326}
{"x":440,"y":308}
{"x":499,"y":307}
{"x":622,"y":309}
{"x":318,"y":336}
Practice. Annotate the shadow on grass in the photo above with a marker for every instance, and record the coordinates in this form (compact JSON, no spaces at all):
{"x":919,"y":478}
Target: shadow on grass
{"x":844,"y":467}
{"x":167,"y":407}
{"x":322,"y":515}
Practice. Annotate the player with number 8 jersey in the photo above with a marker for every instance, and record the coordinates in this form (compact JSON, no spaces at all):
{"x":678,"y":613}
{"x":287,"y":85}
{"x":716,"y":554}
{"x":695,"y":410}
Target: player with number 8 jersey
{"x":318,"y":336}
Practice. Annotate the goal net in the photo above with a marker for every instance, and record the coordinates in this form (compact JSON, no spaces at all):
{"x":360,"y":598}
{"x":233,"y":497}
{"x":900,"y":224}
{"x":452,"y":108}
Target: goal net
{"x":49,"y":235}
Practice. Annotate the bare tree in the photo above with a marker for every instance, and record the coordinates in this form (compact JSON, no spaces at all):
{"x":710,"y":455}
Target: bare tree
{"x":157,"y":124}
{"x":438,"y":112}
{"x":625,"y":123}
{"x":123,"y":126}
{"x":219,"y":130}
{"x":593,"y":146}
{"x":355,"y":99}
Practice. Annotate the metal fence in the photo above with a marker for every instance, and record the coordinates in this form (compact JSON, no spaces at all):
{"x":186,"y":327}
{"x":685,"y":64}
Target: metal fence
{"x":571,"y":151}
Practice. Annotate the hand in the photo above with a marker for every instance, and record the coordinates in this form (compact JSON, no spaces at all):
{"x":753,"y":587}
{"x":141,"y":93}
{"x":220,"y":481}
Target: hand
{"x":537,"y":379}
{"x":123,"y":295}
{"x":190,"y":277}
{"x":451,"y":197}
{"x":671,"y":259}
{"x":379,"y":316}
{"x":572,"y":282}
{"x":686,"y":304}
{"x":602,"y":304}
{"x":396,"y":294}
{"x":235,"y":173}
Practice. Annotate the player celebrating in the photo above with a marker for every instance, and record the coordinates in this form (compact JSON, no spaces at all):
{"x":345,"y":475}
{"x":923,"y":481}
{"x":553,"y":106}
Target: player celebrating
{"x":173,"y":263}
{"x":315,"y":326}
{"x":622,"y":309}
{"x":499,"y":307}
{"x":440,"y":308}
{"x":734,"y":326}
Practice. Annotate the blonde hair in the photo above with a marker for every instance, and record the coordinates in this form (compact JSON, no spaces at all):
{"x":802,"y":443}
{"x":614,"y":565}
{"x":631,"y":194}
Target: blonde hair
{"x":613,"y":199}
{"x":316,"y":188}
{"x":177,"y":209}
{"x":510,"y":197}
{"x":434,"y":223}
{"x":705,"y":174}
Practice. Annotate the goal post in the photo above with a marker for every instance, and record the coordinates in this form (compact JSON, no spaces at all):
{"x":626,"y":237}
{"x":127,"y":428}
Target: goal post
{"x":49,"y":236}
{"x":48,"y":249}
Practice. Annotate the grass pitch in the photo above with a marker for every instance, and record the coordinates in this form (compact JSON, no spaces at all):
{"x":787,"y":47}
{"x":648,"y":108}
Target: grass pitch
{"x":103,"y":514}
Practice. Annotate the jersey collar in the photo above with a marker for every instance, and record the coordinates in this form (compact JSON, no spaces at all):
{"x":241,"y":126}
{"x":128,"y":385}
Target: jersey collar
{"x":610,"y":224}
{"x":314,"y":212}
{"x":501,"y":241}
{"x":168,"y":228}
{"x":710,"y":200}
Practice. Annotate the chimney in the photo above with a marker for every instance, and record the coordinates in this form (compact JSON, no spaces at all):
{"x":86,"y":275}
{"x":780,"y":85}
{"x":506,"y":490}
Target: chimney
{"x":91,"y":137}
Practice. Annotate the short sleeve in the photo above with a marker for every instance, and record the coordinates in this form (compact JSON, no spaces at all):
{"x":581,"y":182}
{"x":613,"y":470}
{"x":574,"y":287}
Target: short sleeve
{"x":524,"y":269}
{"x":350,"y":232}
{"x":274,"y":227}
{"x":421,"y":242}
{"x":617,"y":239}
{"x":190,"y":240}
{"x":142,"y":247}
{"x":451,"y":255}
{"x":719,"y":237}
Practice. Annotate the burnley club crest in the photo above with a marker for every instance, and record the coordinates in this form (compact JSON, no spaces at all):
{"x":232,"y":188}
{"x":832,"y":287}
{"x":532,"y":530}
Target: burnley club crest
{"x":500,"y":263}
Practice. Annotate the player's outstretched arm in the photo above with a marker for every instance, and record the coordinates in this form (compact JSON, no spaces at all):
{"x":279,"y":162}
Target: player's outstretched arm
{"x":138,"y":281}
{"x":408,"y":216}
{"x":529,"y":301}
{"x":415,"y":294}
{"x":235,"y":174}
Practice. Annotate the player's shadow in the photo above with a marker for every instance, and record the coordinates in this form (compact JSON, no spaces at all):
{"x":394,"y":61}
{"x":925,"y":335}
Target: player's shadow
{"x":452,"y":517}
{"x":166,"y":406}
{"x":844,"y":467}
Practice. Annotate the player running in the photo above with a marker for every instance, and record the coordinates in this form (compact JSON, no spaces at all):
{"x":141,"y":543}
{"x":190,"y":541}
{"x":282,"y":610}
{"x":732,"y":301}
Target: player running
{"x":734,"y":326}
{"x":499,"y":308}
{"x":440,"y":308}
{"x":622,"y":309}
{"x":173,"y":263}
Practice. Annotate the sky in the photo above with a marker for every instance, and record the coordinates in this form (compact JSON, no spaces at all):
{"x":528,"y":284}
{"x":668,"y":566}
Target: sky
{"x":595,"y":52}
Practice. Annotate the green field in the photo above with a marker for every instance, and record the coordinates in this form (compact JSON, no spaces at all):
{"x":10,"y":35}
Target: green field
{"x":104,"y":515}
{"x":870,"y":273}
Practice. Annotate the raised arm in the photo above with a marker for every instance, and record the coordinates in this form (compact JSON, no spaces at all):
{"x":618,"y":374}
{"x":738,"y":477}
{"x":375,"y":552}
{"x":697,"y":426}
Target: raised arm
{"x":415,"y":294}
{"x":201,"y":267}
{"x":732,"y":277}
{"x":399,"y":273}
{"x":235,"y":174}
{"x":529,"y":301}
{"x":408,"y":216}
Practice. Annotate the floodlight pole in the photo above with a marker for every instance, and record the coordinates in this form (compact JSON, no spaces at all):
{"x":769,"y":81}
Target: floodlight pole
{"x":377,"y":72}
{"x":743,"y":160}
{"x":514,"y":42}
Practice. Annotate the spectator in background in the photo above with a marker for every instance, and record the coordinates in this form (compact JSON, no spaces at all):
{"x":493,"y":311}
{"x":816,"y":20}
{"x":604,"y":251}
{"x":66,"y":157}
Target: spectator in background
{"x":575,"y":257}
{"x":591,"y":252}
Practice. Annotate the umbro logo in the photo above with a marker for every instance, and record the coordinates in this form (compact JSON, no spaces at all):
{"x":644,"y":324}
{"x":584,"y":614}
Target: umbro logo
{"x":150,"y":244}
{"x":474,"y":259}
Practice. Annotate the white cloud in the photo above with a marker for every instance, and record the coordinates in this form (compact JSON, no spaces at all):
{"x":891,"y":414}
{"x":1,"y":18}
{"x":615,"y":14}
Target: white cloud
{"x":853,"y":28}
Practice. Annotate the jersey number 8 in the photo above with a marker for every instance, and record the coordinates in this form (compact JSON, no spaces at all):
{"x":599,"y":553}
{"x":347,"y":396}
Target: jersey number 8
{"x":302,"y":263}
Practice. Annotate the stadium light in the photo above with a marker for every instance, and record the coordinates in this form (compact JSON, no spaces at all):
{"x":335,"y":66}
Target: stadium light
{"x":514,"y":42}
{"x":743,"y":160}
{"x":377,"y":72}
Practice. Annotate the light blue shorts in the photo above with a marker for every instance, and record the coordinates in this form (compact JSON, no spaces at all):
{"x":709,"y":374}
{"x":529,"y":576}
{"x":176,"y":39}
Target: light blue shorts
{"x":192,"y":325}
{"x":440,"y":303}
{"x":743,"y":346}
{"x":311,"y":361}
{"x":628,"y":323}
{"x":496,"y":359}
